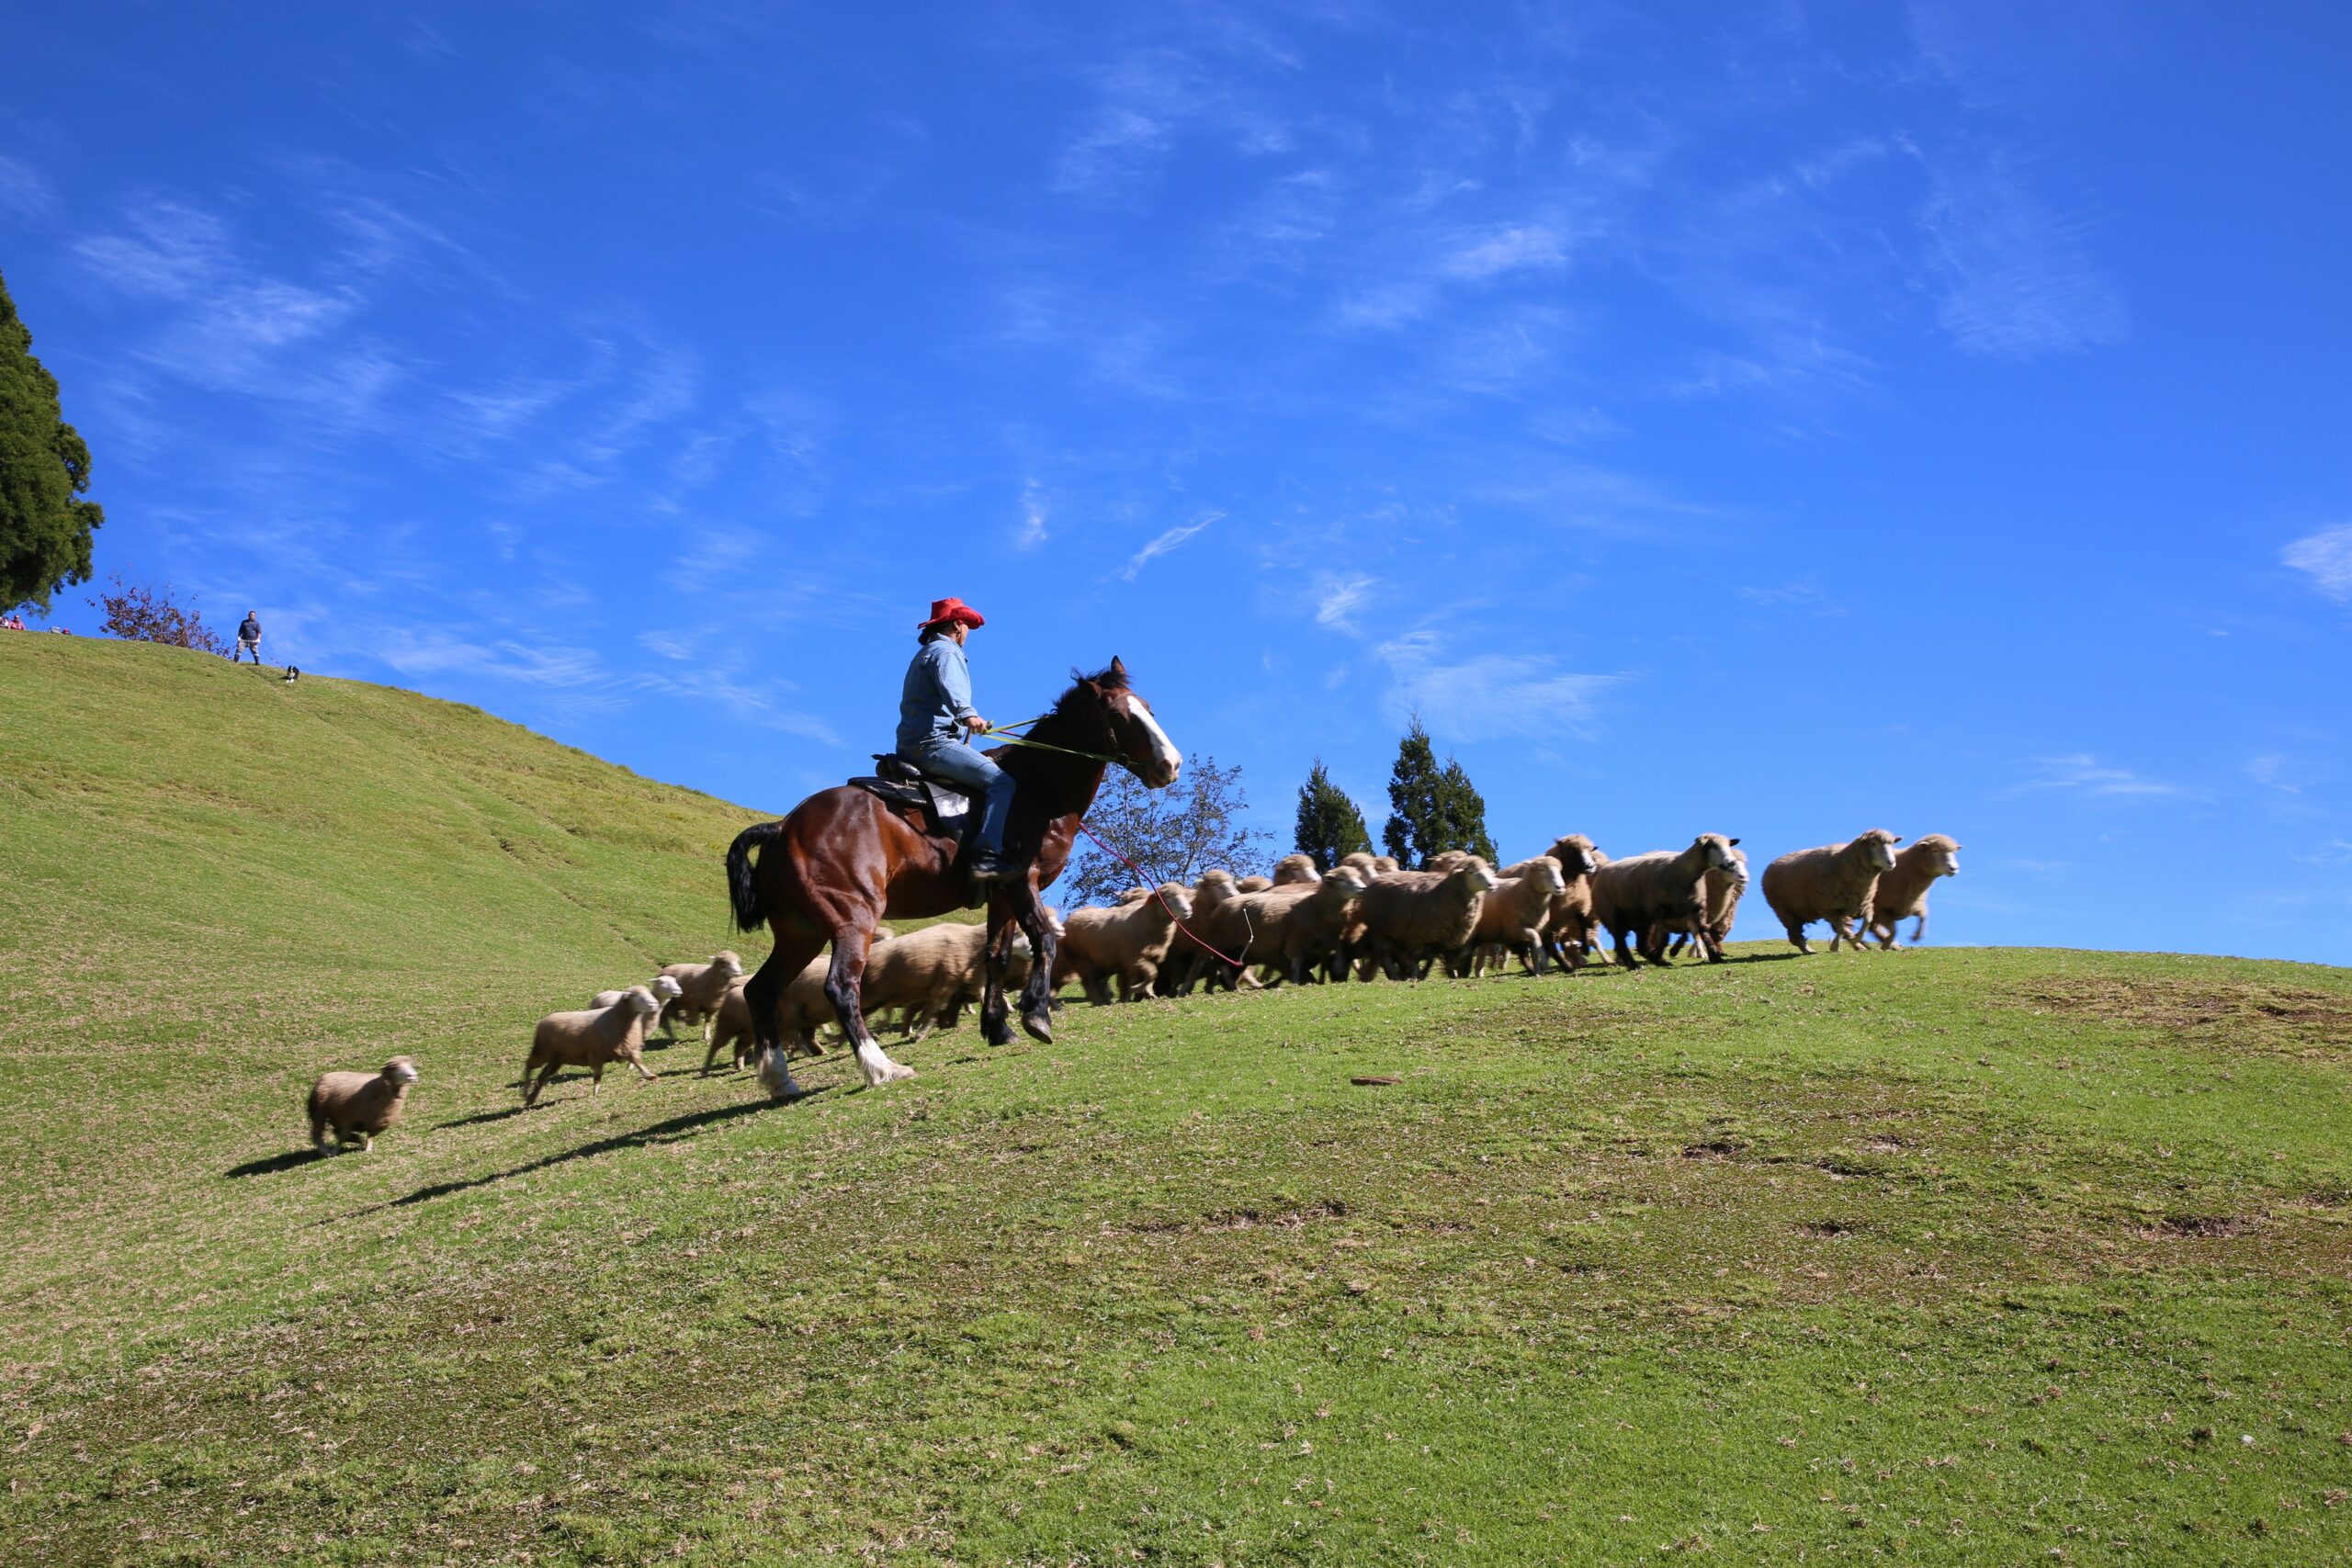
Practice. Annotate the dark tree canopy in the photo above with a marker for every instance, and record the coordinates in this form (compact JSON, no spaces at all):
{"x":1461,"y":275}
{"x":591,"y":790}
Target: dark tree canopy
{"x":1175,"y":833}
{"x":45,"y":526}
{"x":1331,"y":828}
{"x":1431,"y":809}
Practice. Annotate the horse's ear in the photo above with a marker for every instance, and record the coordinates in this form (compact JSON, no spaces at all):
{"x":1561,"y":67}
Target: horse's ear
{"x":1118,"y":671}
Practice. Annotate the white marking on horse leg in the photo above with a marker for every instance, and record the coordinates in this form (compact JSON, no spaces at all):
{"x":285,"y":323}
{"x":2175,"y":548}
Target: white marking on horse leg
{"x":877,"y":1066}
{"x":775,"y":1075}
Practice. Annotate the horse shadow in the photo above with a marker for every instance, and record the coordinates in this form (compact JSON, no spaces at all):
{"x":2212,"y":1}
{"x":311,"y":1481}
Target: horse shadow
{"x":270,"y":1164}
{"x":479,"y":1117}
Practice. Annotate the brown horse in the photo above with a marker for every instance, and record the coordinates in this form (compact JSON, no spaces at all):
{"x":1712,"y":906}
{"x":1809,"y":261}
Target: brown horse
{"x":845,"y":860}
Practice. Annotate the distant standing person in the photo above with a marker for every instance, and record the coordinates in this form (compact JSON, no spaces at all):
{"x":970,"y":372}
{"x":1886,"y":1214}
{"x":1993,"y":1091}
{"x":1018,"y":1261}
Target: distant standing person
{"x":248,"y":637}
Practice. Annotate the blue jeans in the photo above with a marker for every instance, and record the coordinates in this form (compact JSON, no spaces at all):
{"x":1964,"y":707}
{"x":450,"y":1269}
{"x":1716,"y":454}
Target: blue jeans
{"x":952,"y":762}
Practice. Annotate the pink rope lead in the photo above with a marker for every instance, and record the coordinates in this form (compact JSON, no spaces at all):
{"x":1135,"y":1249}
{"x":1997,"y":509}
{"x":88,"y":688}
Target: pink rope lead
{"x":1152,"y":883}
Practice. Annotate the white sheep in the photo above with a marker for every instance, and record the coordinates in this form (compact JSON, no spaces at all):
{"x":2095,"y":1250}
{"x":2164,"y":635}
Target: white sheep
{"x":1902,"y":888}
{"x":359,"y":1106}
{"x":665,"y":988}
{"x":595,"y":1040}
{"x":1412,"y":917}
{"x":1513,"y":918}
{"x":1126,"y":942}
{"x":1633,"y":896}
{"x":701,"y":988}
{"x":1832,"y":883}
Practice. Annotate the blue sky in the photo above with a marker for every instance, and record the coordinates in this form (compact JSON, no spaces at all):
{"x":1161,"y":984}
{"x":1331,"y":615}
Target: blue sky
{"x":1777,"y":420}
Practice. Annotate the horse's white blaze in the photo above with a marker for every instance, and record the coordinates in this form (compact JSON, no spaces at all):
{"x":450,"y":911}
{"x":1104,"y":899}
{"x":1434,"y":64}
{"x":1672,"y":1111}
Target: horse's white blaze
{"x":1169,"y":756}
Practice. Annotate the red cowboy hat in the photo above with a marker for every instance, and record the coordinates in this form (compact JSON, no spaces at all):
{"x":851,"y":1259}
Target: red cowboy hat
{"x":950,"y":609}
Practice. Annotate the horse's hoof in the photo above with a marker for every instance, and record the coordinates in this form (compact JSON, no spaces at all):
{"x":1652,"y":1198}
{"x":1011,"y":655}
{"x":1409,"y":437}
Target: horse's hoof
{"x":1038,"y":1026}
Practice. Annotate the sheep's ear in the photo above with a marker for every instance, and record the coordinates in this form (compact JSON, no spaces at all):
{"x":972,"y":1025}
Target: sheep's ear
{"x":1731,"y":841}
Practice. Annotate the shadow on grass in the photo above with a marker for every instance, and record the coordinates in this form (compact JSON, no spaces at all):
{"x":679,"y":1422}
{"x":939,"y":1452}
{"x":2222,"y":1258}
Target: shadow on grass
{"x":674,"y":1126}
{"x":285,"y":1161}
{"x":479,"y":1117}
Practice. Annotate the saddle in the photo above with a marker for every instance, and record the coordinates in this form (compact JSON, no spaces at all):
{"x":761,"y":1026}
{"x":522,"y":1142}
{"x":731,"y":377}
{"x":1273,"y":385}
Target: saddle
{"x":898,"y":781}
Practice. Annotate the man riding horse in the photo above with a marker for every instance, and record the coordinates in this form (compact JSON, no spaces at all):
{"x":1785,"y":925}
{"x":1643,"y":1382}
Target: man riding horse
{"x":936,"y":716}
{"x":846,"y":859}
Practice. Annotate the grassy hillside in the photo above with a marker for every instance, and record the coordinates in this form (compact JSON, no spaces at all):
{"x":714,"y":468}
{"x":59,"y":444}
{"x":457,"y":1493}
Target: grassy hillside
{"x":1958,"y":1256}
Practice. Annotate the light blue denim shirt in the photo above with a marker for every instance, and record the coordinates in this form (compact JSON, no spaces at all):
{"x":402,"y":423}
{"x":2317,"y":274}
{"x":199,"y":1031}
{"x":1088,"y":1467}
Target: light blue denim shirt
{"x":936,"y":699}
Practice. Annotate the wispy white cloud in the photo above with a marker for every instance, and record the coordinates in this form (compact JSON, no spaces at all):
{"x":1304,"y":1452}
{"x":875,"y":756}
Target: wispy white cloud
{"x":2325,"y":558}
{"x":1336,"y":600}
{"x":164,"y":251}
{"x":1166,"y":542}
{"x":1148,"y":99}
{"x":1030,"y":532}
{"x":1487,"y":696}
{"x":2084,"y":775}
{"x":23,"y":191}
{"x":2012,"y":275}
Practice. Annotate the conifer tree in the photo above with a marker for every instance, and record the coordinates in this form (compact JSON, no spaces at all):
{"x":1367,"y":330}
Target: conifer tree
{"x":1331,"y":828}
{"x":45,"y":525}
{"x":1432,"y":808}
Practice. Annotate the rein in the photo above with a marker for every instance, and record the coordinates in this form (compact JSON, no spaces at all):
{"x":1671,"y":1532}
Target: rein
{"x":1004,"y":732}
{"x":1153,"y":883}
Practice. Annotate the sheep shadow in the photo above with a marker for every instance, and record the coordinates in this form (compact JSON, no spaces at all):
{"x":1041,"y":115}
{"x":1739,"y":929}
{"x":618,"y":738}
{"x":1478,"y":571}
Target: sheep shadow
{"x":660,"y":1130}
{"x":269,"y":1164}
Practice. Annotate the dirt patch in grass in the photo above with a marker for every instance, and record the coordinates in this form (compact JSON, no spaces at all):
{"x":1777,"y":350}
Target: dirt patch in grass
{"x":2206,"y":1226}
{"x":2291,"y":1019}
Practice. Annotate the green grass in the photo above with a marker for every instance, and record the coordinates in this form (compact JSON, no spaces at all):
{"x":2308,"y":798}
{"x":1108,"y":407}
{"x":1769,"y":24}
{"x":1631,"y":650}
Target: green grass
{"x":1954,"y":1257}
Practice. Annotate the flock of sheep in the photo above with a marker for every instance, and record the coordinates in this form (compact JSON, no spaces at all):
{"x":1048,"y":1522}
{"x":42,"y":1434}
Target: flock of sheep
{"x":1366,"y":918}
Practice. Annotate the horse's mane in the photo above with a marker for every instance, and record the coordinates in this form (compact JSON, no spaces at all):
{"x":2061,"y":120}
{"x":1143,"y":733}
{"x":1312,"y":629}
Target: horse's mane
{"x":1108,"y":679}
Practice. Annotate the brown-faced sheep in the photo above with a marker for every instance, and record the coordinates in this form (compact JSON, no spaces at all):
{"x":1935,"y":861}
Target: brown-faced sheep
{"x":1569,"y":929}
{"x":664,"y":988}
{"x":1832,"y":883}
{"x":595,"y":1040}
{"x":1295,"y":869}
{"x":1720,"y":895}
{"x":1126,"y":942}
{"x":701,"y":987}
{"x":1413,"y":917}
{"x":1903,"y":888}
{"x":1631,"y":896}
{"x":359,"y":1106}
{"x":1511,"y":919}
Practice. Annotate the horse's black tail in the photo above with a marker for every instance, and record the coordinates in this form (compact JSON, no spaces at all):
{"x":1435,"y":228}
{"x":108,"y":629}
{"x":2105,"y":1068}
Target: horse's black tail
{"x":743,"y":880}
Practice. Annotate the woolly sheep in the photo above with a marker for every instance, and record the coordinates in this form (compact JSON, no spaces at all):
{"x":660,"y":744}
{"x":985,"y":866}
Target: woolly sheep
{"x":1902,"y":888}
{"x":1512,"y":917}
{"x":359,"y":1106}
{"x":665,"y":988}
{"x":1720,"y":891}
{"x":1413,"y":915}
{"x":1569,"y":928}
{"x":1631,"y":896}
{"x":1285,"y":930}
{"x":594,"y":1039}
{"x":1832,"y":883}
{"x":1253,"y":884}
{"x":1126,"y":942}
{"x":702,"y":986}
{"x":1296,"y":868}
{"x":1187,"y":961}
